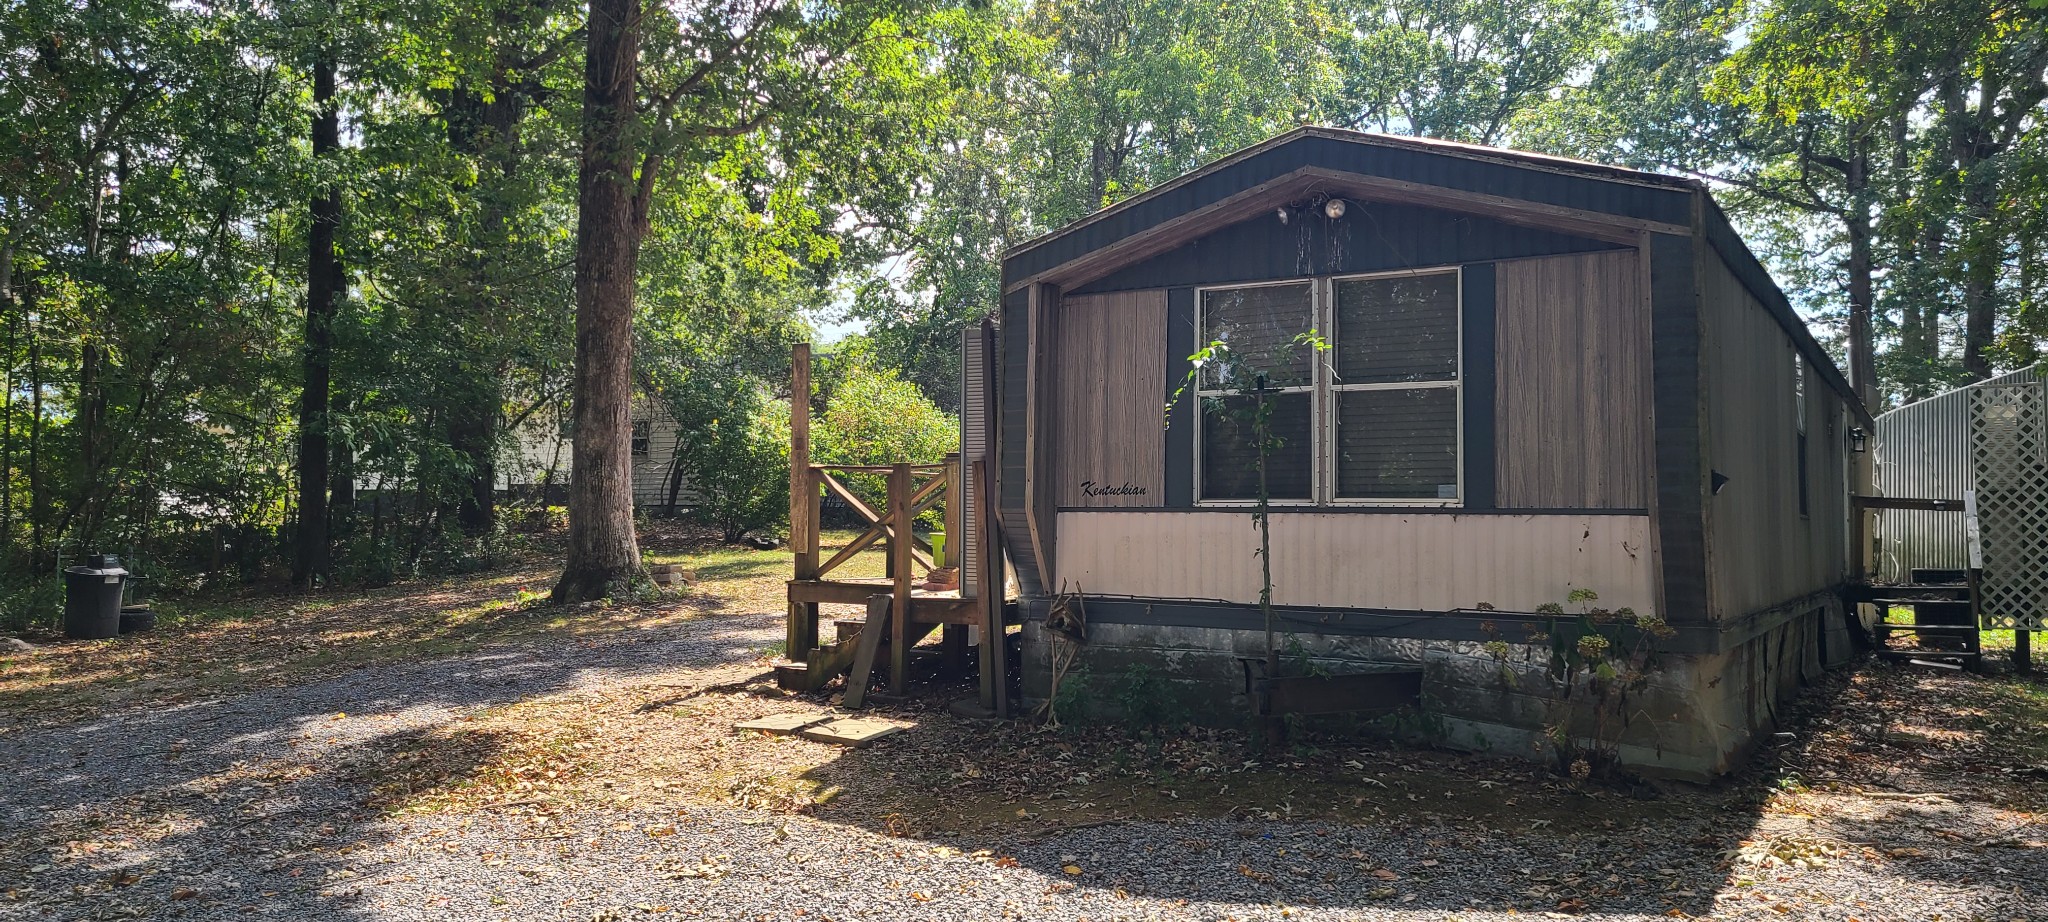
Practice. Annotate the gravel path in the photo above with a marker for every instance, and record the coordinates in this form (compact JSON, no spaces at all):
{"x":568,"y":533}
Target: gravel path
{"x":242,"y":807}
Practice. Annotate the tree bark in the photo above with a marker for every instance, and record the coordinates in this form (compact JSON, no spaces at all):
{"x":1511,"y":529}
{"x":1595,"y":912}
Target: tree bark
{"x":1862,"y":346}
{"x":604,"y":551}
{"x":323,"y":288}
{"x":38,"y":500}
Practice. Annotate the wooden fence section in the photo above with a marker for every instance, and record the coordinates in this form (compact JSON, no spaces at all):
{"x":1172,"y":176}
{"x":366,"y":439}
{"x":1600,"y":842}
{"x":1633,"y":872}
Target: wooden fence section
{"x":900,"y":612}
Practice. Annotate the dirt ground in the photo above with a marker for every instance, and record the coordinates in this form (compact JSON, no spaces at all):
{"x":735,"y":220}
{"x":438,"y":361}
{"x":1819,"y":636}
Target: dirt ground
{"x":1894,"y":792}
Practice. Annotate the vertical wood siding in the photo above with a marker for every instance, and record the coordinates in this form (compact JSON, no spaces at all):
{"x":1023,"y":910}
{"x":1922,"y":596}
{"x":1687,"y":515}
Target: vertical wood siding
{"x":1108,"y":374}
{"x":1760,"y":551}
{"x":1420,"y":562}
{"x":1573,"y":392}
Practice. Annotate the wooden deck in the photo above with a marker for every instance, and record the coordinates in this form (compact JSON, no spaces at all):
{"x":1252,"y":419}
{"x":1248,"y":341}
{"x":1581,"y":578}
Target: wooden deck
{"x":899,"y":613}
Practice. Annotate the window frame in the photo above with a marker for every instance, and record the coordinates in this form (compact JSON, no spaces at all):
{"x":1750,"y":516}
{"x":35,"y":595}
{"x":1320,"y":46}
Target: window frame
{"x":1324,"y":388}
{"x":1315,"y":297}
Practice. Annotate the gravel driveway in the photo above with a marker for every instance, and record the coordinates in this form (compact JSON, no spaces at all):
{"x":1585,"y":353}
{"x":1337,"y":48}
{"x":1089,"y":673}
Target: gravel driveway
{"x":242,"y":807}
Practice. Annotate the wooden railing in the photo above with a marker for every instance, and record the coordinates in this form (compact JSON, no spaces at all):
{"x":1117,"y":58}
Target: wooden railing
{"x":913,"y":490}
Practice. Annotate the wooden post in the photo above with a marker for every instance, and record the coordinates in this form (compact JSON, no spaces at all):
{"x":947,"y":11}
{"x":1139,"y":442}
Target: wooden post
{"x":952,"y":513}
{"x":901,"y":565}
{"x":2022,"y":650}
{"x":802,"y":634}
{"x":995,"y":667}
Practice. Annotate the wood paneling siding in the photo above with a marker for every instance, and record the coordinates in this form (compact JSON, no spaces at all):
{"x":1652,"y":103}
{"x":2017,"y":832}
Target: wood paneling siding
{"x":1408,"y":562}
{"x":1573,"y":392}
{"x":1108,"y":377}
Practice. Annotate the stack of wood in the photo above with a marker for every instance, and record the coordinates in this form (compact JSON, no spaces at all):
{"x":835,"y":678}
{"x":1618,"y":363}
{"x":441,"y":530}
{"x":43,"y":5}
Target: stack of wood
{"x":669,"y":574}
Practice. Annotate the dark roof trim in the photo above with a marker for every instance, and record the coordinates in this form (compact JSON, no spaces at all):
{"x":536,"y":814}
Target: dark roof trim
{"x":1720,"y":234}
{"x":1471,"y":152}
{"x":1144,"y":242}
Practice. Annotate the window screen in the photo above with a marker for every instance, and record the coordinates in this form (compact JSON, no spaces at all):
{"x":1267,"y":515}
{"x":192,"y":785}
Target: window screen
{"x":1373,"y":418}
{"x":1230,"y":457}
{"x":1260,"y":326}
{"x":1392,"y":330}
{"x":1397,"y":443}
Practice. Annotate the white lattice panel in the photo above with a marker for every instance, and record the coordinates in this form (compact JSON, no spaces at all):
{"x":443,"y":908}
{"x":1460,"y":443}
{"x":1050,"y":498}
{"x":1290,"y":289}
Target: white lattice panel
{"x":2009,"y":450}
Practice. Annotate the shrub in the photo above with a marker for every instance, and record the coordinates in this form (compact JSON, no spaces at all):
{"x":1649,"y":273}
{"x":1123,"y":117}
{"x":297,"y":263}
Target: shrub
{"x":874,"y":418}
{"x":738,"y":463}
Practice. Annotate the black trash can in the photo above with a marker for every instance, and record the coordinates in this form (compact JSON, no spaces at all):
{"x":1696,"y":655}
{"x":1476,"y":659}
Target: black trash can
{"x":92,"y":598}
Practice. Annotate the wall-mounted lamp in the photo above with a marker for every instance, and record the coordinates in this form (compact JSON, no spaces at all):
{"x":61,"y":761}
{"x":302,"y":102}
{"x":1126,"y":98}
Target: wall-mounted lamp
{"x":1333,"y":209}
{"x":1859,"y":441}
{"x":1281,"y":213}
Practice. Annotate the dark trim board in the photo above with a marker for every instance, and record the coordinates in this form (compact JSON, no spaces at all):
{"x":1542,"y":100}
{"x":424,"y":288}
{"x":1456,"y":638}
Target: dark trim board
{"x":1675,"y":399}
{"x":1180,"y":418}
{"x":1371,"y":237}
{"x":1464,"y":625}
{"x":1354,"y":510}
{"x":1505,"y":174}
{"x":1012,"y":387}
{"x":1478,"y":363}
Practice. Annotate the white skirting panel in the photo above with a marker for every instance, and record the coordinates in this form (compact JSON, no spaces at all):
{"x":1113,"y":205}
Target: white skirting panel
{"x":1422,"y":562}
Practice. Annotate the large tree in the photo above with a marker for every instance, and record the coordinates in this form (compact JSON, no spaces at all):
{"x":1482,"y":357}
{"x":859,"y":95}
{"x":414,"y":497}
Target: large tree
{"x":799,"y":110}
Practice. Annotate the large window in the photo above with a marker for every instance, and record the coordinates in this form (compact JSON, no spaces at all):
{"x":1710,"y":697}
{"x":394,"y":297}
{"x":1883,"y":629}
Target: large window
{"x":1371,"y":418}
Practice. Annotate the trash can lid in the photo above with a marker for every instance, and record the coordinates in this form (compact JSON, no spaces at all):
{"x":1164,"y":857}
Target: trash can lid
{"x":96,"y":571}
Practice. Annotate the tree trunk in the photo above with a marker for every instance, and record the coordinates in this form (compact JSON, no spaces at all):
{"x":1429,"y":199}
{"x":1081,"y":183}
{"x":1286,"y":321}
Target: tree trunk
{"x":7,"y":411}
{"x":323,"y":288}
{"x":1862,"y":347}
{"x":1980,"y":277}
{"x":604,"y":552}
{"x":38,"y":502}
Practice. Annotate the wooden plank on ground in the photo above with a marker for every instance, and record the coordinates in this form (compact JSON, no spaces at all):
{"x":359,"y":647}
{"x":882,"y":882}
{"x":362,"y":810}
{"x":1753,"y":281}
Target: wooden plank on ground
{"x":851,"y":731}
{"x":865,"y":649}
{"x":783,"y":724}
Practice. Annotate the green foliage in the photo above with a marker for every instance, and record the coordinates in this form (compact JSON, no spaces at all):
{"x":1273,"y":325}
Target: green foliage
{"x":738,"y":465}
{"x":874,"y":418}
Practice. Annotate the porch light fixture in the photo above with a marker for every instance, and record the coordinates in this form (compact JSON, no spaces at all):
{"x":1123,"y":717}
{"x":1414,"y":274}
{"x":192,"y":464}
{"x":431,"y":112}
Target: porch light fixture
{"x":1859,"y":441}
{"x":1281,"y":213}
{"x":1333,"y":209}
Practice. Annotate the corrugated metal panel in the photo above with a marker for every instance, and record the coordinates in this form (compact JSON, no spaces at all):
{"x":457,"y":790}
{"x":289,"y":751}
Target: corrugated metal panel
{"x":1573,"y":391}
{"x":1922,"y":450}
{"x":1371,"y":237}
{"x":973,"y":444}
{"x":1420,"y":562}
{"x":1360,"y":155}
{"x":1761,"y":550}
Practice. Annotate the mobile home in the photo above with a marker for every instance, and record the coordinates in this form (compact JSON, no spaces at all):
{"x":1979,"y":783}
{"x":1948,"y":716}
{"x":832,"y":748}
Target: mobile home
{"x":1494,"y":378}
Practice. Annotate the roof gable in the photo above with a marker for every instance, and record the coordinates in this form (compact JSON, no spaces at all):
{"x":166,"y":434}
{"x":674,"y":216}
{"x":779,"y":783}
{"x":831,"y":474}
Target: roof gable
{"x":1530,"y":189}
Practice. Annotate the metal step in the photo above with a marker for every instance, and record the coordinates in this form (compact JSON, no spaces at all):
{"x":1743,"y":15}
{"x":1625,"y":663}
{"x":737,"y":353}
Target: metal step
{"x":1939,"y":575}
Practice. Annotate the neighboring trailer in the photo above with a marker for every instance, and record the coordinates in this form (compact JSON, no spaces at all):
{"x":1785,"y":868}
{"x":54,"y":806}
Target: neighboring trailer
{"x":1923,"y":451}
{"x":1542,"y":376}
{"x":539,"y":455}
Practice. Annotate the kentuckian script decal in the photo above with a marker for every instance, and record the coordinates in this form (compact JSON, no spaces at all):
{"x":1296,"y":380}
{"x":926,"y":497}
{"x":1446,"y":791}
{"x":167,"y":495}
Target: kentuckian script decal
{"x":1092,"y":490}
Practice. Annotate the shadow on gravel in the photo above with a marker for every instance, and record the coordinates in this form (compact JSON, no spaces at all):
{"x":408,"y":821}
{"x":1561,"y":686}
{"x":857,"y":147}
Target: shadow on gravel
{"x":1394,"y":832}
{"x":251,"y":803}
